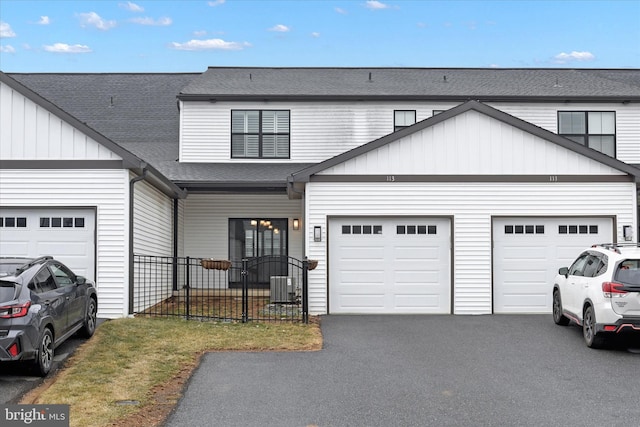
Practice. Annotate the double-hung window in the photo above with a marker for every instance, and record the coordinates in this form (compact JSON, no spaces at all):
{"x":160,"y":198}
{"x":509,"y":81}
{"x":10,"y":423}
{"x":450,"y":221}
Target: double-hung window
{"x":595,"y":129}
{"x":403,"y":119}
{"x":260,"y":134}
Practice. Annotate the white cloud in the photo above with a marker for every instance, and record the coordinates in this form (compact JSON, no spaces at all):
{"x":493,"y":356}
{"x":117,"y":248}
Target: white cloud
{"x":216,"y":3}
{"x":131,"y":7}
{"x":315,"y":34}
{"x":7,"y":49}
{"x":211,"y":44}
{"x":280,"y":28}
{"x":92,"y":19}
{"x":563,"y":58}
{"x":341,"y":11}
{"x":375,"y":5}
{"x":66,"y":48}
{"x":5,"y":30}
{"x":44,"y":20}
{"x":160,"y":22}
{"x":200,"y":33}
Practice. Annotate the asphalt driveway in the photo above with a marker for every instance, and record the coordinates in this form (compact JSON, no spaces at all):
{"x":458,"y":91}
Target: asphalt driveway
{"x":421,"y":370}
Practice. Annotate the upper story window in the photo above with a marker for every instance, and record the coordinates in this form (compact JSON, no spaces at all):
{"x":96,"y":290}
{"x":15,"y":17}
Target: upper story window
{"x":595,"y":129}
{"x":403,"y":119}
{"x":260,"y":134}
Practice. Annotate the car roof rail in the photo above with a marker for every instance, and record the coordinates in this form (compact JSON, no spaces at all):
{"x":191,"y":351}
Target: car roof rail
{"x":33,"y":262}
{"x":615,"y":247}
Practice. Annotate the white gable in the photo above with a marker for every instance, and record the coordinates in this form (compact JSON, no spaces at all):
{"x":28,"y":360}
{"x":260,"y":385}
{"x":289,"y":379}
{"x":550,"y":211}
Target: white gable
{"x":471,"y":143}
{"x":30,"y":132}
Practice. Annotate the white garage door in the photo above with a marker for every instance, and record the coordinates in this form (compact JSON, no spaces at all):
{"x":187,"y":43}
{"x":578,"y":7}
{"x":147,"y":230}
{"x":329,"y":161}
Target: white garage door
{"x":527,"y":253}
{"x":66,"y":234}
{"x":390,"y":265}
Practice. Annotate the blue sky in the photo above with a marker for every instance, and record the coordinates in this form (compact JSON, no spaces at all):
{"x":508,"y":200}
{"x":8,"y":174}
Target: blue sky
{"x":173,"y":36}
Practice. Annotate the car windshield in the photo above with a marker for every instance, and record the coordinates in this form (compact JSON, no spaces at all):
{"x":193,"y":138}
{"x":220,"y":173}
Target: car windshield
{"x":7,"y":291}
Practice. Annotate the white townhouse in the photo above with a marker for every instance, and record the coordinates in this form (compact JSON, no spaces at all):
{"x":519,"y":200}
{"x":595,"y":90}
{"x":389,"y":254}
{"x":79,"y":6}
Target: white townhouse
{"x":418,"y":190}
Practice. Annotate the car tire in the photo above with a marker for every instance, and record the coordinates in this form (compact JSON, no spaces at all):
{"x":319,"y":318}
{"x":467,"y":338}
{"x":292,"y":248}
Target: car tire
{"x":558,"y":317}
{"x":90,"y":319}
{"x":44,"y":355}
{"x":591,"y":338}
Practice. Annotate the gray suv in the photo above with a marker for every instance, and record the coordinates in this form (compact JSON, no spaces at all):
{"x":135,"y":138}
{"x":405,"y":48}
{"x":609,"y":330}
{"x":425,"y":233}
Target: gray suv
{"x":42,"y":303}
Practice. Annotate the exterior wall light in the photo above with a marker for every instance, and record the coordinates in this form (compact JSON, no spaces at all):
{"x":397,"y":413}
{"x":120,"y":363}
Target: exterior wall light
{"x":317,"y":233}
{"x":296,"y":224}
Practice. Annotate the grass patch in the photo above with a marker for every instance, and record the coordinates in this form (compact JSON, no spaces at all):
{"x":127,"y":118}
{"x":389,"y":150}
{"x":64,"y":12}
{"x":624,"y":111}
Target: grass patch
{"x":148,"y":360}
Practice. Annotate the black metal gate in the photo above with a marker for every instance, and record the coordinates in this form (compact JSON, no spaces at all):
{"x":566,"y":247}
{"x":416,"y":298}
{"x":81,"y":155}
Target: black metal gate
{"x":198,"y":288}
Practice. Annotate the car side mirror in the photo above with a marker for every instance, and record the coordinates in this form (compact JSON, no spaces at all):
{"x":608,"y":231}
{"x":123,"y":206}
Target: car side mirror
{"x":564,"y":271}
{"x":80,"y":280}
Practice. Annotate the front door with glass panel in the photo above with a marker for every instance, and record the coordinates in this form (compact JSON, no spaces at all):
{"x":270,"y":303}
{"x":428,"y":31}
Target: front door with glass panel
{"x":264,"y":243}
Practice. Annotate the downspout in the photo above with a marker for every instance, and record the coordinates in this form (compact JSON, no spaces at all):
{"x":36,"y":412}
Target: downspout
{"x":131,"y":213}
{"x":175,"y":245}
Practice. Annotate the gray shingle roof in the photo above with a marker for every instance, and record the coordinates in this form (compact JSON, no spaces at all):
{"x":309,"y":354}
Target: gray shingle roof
{"x":127,"y":108}
{"x":139,"y":112}
{"x":484,"y":84}
{"x":230,"y":174}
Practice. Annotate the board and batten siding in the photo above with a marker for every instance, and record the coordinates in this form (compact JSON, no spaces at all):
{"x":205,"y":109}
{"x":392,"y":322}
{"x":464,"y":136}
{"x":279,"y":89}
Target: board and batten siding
{"x":471,"y":144}
{"x":321,"y":130}
{"x":546,"y":116}
{"x":103,"y":189}
{"x":30,"y":132}
{"x":472,"y":206}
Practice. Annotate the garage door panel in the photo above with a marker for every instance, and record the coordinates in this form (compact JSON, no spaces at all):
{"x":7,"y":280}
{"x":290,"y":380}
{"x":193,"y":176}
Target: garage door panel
{"x":423,"y":254}
{"x":63,"y":248}
{"x":410,"y":266}
{"x":525,"y":264}
{"x":417,"y":278}
{"x":13,"y":247}
{"x":524,"y":301}
{"x":363,"y":302}
{"x":417,"y":301}
{"x":370,"y":276}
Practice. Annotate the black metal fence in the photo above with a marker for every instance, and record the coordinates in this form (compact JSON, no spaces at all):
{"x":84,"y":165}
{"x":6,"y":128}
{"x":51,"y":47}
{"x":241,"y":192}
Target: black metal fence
{"x":271,"y":288}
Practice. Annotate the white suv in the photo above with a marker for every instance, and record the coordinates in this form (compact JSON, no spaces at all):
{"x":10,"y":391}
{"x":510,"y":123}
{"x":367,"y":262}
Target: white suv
{"x":600,"y":292}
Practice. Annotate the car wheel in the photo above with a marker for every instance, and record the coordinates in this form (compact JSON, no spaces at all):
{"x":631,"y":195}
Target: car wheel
{"x":89,"y":326}
{"x":591,"y":338}
{"x":44,"y":355}
{"x":558,"y":317}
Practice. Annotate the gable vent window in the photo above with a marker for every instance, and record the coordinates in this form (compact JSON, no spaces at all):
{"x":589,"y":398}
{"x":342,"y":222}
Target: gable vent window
{"x":403,"y":119}
{"x":594,"y":129}
{"x":260,"y":134}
